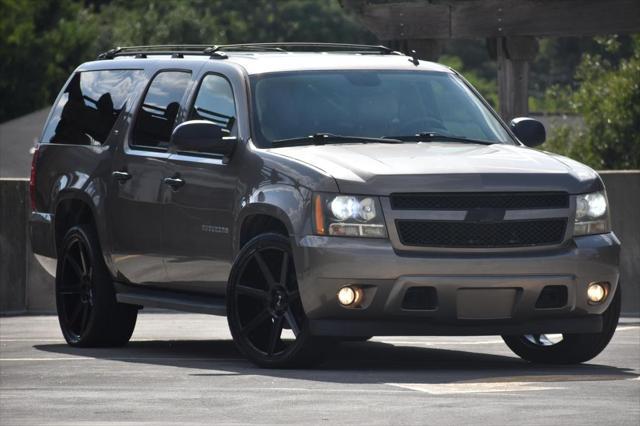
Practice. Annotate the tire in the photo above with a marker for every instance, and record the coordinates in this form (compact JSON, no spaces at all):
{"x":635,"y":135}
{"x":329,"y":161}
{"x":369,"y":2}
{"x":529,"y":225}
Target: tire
{"x":88,"y":312}
{"x":262,"y":301}
{"x":573,"y":348}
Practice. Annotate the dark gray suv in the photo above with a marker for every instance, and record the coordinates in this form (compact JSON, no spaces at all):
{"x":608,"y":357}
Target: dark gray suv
{"x":315,"y":193}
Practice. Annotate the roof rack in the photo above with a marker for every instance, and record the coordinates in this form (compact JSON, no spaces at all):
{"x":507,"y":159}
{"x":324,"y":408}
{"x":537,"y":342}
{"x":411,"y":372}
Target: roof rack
{"x":216,"y":51}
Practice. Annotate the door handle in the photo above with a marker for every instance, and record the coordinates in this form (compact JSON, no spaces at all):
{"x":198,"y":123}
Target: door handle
{"x":121,"y":176}
{"x":174,"y":182}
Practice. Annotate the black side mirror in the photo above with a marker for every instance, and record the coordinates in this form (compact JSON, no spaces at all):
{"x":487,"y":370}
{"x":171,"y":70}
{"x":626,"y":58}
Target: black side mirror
{"x":204,"y":137}
{"x":529,"y":131}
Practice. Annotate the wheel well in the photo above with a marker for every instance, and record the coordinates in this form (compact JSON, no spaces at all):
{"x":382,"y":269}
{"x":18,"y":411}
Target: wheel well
{"x":69,"y":213}
{"x":255,"y":225}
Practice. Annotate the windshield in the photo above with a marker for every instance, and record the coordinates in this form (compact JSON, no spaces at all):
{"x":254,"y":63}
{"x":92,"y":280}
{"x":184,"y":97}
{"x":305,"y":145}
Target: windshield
{"x":372,"y":104}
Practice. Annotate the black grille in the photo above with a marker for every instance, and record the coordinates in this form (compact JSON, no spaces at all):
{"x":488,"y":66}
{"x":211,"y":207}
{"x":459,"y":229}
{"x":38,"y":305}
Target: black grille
{"x":469,"y":234}
{"x":463,"y":201}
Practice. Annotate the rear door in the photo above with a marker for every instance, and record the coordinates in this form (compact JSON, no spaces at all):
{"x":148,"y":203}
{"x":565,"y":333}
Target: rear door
{"x":199,"y":214}
{"x":136,"y":196}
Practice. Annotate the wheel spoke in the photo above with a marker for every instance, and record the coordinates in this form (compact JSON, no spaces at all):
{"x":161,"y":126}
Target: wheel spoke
{"x":85,"y":317}
{"x":256,"y":293}
{"x":75,"y":266}
{"x":67,"y":292}
{"x":284,"y":269}
{"x":71,"y":287}
{"x":543,"y":339}
{"x":83,"y":261}
{"x":293,"y":323}
{"x":264,"y":268}
{"x":274,"y":337}
{"x":254,"y":323}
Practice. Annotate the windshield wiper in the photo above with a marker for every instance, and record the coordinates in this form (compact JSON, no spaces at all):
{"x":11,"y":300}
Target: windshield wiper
{"x":327,"y":138}
{"x":435,"y":136}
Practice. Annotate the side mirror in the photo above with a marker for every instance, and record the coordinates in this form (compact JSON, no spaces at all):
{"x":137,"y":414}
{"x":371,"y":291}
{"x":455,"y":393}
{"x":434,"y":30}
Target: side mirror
{"x":204,"y":137}
{"x":529,"y":131}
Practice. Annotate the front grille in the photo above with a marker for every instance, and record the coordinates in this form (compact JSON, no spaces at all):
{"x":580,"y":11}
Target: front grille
{"x":465,"y":201}
{"x":514,"y":233}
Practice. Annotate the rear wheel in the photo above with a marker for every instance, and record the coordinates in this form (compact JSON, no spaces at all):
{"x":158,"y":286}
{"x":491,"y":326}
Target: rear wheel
{"x":264,"y":310}
{"x":88,"y":312}
{"x":567,"y":348}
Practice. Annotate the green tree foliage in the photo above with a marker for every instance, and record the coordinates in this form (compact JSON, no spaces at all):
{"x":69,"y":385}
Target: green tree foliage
{"x":608,"y":98}
{"x":43,"y":41}
{"x":40,"y":43}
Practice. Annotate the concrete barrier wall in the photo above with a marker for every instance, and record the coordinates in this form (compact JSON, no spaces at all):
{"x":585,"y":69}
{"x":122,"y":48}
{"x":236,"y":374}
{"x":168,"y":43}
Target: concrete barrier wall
{"x":13,"y":250}
{"x":25,"y":286}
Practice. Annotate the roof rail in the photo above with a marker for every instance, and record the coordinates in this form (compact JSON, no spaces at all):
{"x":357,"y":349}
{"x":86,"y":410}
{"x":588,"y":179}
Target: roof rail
{"x":306,"y":47}
{"x":160,"y":49}
{"x":216,"y":51}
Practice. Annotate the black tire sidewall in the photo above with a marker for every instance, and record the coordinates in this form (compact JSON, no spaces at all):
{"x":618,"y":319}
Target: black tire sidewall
{"x":305,"y":351}
{"x":110,"y":323}
{"x":574,"y":348}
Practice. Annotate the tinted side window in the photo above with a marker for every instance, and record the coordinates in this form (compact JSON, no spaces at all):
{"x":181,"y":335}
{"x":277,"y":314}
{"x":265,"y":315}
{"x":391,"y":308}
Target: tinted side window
{"x":215,"y":102}
{"x":89,"y":107}
{"x":159,"y":109}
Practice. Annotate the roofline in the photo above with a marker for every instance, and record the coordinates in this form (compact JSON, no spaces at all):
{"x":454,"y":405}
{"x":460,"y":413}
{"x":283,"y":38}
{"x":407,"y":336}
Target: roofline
{"x":217,"y":51}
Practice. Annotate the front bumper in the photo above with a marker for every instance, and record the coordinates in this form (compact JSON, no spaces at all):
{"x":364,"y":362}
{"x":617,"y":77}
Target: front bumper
{"x":477,"y":293}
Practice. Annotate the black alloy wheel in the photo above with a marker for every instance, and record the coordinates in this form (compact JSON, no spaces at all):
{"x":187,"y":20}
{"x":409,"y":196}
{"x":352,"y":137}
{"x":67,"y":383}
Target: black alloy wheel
{"x":88,"y":312}
{"x":75,"y":292}
{"x":264,"y":310}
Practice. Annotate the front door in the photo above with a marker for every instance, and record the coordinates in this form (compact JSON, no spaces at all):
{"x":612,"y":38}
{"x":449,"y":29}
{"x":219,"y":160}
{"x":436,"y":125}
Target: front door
{"x":136,"y":201}
{"x":199,"y":212}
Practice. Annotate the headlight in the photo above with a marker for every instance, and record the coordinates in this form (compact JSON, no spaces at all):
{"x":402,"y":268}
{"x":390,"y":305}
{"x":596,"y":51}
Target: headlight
{"x":592,"y":214}
{"x":348,"y":216}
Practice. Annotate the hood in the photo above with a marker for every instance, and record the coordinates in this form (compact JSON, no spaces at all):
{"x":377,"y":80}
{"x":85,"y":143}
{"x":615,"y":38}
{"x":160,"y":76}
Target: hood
{"x":444,"y":166}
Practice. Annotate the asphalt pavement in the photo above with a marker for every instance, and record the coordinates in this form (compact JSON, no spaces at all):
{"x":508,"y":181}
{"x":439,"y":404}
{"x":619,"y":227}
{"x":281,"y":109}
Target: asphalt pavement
{"x":184,"y":369}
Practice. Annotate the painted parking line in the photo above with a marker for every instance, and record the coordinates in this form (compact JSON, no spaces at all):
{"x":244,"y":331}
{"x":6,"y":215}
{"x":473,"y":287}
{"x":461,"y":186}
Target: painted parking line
{"x":465,"y":388}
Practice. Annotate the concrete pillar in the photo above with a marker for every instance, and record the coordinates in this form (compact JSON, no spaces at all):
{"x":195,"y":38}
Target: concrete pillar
{"x":14,"y":195}
{"x":513,"y":57}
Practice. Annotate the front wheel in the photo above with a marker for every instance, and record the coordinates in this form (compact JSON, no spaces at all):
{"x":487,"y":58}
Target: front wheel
{"x":264,"y":310}
{"x":567,"y":348}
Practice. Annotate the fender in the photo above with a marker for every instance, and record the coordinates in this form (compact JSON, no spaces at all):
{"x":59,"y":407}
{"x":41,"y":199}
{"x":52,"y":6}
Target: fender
{"x":87,"y":190}
{"x":286,"y":203}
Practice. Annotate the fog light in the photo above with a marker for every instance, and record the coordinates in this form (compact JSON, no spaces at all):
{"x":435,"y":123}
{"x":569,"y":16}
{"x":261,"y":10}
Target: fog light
{"x":349,"y":296}
{"x":597,"y":292}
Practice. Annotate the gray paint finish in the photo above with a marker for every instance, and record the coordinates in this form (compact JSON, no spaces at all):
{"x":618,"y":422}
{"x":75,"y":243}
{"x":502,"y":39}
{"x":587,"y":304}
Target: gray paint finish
{"x":153,"y":235}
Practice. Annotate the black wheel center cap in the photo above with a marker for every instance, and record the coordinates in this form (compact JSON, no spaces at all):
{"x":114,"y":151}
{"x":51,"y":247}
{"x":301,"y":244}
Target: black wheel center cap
{"x":279,"y":300}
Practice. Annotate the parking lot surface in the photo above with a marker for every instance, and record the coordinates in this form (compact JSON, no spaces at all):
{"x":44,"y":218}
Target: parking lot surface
{"x":184,"y":369}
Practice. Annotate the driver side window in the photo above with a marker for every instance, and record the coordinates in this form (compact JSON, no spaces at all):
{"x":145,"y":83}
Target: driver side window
{"x":215,"y":103}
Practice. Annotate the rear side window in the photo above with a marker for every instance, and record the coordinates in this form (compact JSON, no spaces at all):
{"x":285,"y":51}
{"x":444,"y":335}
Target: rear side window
{"x":89,"y":107}
{"x":215,"y":102}
{"x":159,"y":110}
